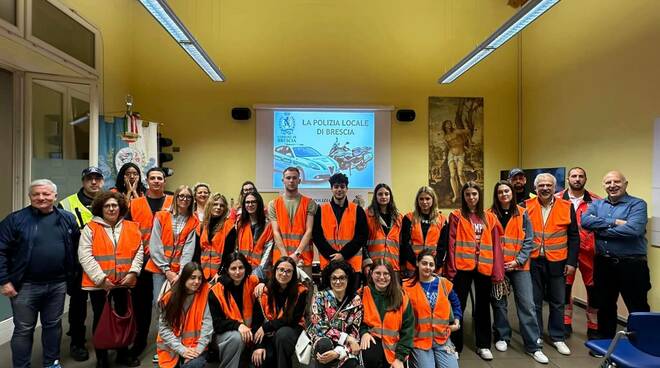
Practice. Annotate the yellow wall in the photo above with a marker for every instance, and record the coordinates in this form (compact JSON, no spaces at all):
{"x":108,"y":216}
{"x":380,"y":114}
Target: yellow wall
{"x":310,"y":52}
{"x":590,"y":94}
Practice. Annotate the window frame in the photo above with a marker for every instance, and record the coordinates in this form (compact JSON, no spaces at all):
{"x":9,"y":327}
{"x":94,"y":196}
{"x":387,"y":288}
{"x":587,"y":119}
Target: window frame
{"x":19,"y":28}
{"x":98,"y":59}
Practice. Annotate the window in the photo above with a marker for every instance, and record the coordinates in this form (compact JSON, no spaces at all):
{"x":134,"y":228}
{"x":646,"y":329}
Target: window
{"x":58,"y":29}
{"x":9,"y":11}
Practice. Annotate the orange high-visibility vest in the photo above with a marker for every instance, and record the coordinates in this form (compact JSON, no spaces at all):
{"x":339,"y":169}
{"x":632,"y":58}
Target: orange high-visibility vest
{"x":246,"y":244}
{"x":211,"y":256}
{"x":189,"y":333}
{"x":230,"y":308}
{"x":141,"y":213}
{"x":417,"y":240}
{"x":171,"y":249}
{"x":553,"y":236}
{"x":513,"y":238}
{"x":387,"y":329}
{"x":270,"y":313}
{"x":430,"y":325}
{"x":467,"y":257}
{"x":338,"y":235}
{"x":292,"y":233}
{"x":381,"y":245}
{"x":115,"y":260}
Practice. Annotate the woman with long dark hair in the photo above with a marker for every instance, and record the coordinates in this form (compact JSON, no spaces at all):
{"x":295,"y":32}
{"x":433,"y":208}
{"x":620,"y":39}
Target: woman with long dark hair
{"x":388,"y":322}
{"x":281,"y":316}
{"x":474,"y":255}
{"x":232,"y":303}
{"x":384,"y":222}
{"x":252,"y":236}
{"x":129,"y":182}
{"x":215,"y":227}
{"x":437,"y":313}
{"x":517,"y":234}
{"x":185,"y":325}
{"x":336,"y":317}
{"x":110,"y":253}
{"x":422,"y":229}
{"x":172,"y":241}
{"x":246,"y":188}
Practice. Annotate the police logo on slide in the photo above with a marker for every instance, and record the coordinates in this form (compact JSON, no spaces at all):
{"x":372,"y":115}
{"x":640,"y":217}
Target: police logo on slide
{"x":287,"y":124}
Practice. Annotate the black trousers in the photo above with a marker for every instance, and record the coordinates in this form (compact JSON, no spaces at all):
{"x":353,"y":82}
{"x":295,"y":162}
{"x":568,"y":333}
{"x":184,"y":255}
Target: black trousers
{"x":77,"y":313}
{"x":549,"y":283}
{"x":482,"y":289}
{"x":281,"y":347}
{"x":613,"y":276}
{"x":142,"y":306}
{"x":374,"y":357}
{"x":98,"y":297}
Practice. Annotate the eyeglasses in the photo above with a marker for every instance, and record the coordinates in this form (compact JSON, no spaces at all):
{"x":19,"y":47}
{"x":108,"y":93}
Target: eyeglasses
{"x":249,"y":203}
{"x":284,"y":271}
{"x":385,"y":275}
{"x":338,"y":279}
{"x":184,"y":197}
{"x":111,"y":205}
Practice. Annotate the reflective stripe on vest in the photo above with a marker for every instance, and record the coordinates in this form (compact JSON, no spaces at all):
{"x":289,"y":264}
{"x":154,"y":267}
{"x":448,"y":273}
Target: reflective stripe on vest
{"x":171,"y":250}
{"x":230,"y":307}
{"x":467,"y":257}
{"x":191,"y":331}
{"x":270,"y":313}
{"x":338,"y":235}
{"x":381,"y":245}
{"x":114,"y":259}
{"x":388,"y":329}
{"x":211,"y":256}
{"x":292,"y":230}
{"x":252,"y":250}
{"x":430,"y":325}
{"x":552,"y":235}
{"x":141,"y":213}
{"x":71,"y":203}
{"x":417,"y":239}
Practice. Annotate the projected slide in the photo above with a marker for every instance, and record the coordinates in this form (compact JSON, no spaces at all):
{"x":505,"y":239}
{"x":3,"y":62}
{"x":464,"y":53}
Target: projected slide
{"x":321,"y":143}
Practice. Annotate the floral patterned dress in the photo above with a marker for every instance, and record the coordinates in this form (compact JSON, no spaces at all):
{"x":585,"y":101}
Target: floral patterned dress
{"x":324,"y":323}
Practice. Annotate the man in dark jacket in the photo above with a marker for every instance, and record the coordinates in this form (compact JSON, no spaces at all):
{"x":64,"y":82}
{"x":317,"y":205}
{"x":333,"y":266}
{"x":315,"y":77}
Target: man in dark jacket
{"x":38,"y":248}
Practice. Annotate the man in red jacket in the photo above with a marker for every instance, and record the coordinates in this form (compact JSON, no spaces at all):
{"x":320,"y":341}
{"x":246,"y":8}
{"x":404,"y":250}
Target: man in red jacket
{"x":581,"y":199}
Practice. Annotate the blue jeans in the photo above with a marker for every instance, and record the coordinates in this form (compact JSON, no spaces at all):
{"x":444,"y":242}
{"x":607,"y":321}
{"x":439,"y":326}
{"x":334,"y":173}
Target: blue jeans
{"x":439,"y":356}
{"x":159,"y":281}
{"x":521,"y":282}
{"x":46,"y":300}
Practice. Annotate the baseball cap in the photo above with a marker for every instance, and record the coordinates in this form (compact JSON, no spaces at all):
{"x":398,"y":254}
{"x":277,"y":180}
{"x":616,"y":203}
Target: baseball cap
{"x":515,"y":171}
{"x":92,"y":170}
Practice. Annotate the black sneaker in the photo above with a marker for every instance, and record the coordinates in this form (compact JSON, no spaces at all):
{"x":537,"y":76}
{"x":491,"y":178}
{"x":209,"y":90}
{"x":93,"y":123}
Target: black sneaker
{"x":79,"y":353}
{"x":596,"y":355}
{"x":128,"y":361}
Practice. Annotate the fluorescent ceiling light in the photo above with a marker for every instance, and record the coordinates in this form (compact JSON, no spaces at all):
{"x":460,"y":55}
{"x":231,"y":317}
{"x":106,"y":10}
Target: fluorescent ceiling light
{"x":174,"y":26}
{"x":526,"y":15}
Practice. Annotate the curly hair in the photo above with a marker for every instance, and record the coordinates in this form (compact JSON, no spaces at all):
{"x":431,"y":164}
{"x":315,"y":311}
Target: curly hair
{"x":101,"y":198}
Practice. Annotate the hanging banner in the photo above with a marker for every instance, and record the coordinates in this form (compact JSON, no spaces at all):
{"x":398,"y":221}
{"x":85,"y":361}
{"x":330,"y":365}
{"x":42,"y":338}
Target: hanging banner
{"x":124,"y":140}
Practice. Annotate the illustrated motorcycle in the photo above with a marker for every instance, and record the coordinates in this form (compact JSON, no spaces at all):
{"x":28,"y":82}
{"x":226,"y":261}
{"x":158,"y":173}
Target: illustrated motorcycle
{"x":349,"y":159}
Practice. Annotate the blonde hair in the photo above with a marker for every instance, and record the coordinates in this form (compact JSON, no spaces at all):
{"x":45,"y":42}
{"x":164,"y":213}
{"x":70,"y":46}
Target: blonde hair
{"x":433,"y":214}
{"x":209,"y":208}
{"x":175,"y":207}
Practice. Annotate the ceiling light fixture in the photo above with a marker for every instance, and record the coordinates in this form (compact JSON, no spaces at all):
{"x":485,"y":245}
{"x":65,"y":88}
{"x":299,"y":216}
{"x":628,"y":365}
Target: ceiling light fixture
{"x":174,"y":26}
{"x":526,"y":15}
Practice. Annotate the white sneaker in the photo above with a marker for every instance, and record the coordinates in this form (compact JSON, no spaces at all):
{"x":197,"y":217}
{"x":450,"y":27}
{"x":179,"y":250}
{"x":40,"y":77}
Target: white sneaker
{"x":539,"y":341}
{"x":501,"y":345}
{"x":485,"y":354}
{"x":562,"y":348}
{"x":539,"y":357}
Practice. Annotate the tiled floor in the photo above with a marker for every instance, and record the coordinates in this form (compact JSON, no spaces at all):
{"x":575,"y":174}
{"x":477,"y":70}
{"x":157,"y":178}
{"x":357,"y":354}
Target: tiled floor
{"x":512,"y":358}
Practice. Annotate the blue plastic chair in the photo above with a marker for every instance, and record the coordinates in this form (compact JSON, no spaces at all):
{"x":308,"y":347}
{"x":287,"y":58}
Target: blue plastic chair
{"x":638,"y":347}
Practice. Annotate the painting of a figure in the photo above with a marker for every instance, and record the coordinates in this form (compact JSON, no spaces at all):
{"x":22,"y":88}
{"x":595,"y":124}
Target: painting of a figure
{"x":456,"y":153}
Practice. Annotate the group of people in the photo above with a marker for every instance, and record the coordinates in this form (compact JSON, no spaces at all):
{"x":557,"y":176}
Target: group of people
{"x":234,"y":283}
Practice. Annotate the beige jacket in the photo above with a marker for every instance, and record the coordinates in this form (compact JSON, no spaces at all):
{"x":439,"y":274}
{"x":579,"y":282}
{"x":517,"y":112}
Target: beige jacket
{"x":89,"y":264}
